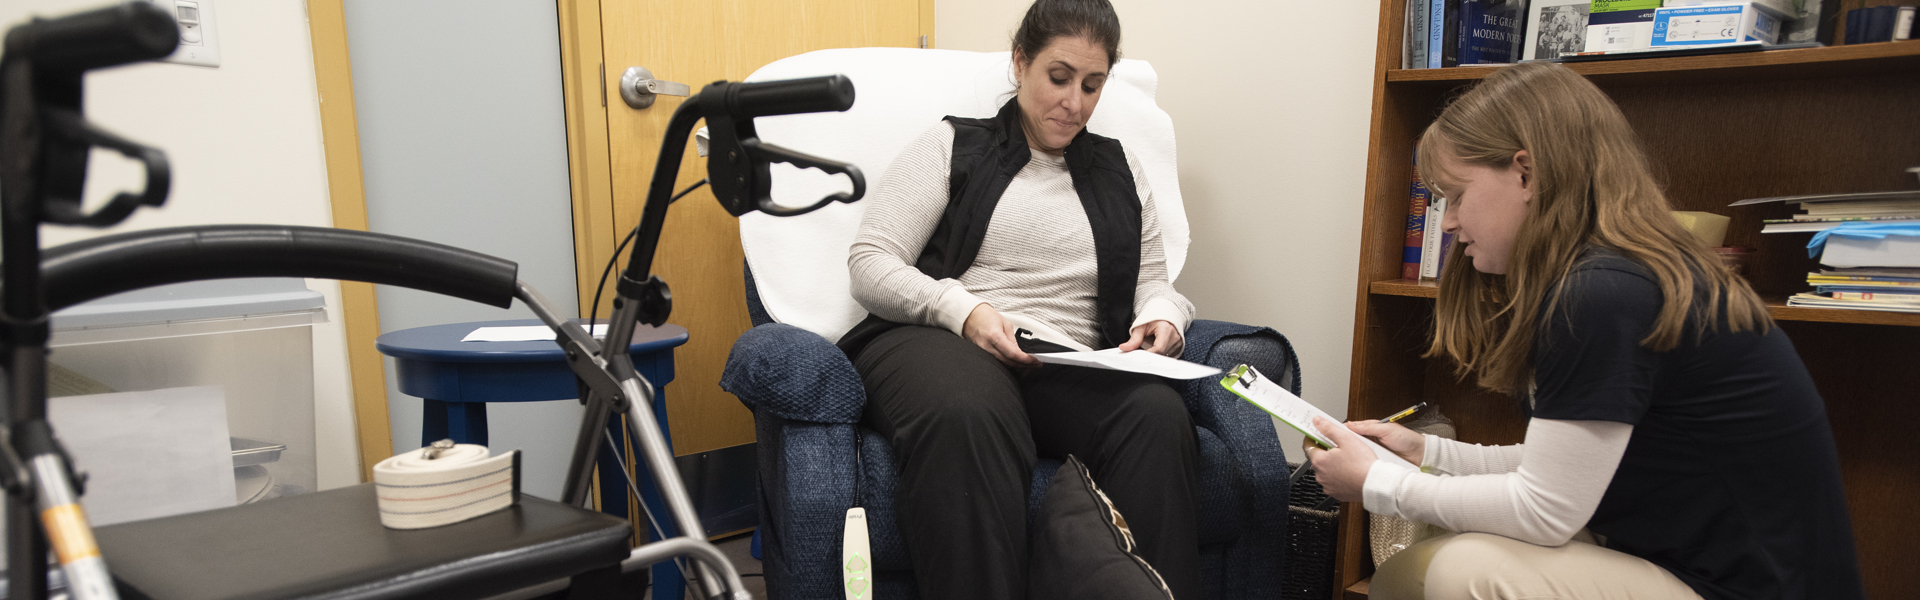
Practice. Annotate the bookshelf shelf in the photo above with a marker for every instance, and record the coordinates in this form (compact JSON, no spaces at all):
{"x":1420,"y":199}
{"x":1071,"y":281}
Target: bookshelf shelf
{"x":1717,"y":129}
{"x":1833,"y":61}
{"x":1405,"y":287}
{"x":1359,"y":591}
{"x":1776,"y":305}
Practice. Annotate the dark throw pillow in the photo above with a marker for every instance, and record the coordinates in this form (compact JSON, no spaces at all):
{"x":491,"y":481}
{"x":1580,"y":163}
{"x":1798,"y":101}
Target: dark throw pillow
{"x":1081,"y":546}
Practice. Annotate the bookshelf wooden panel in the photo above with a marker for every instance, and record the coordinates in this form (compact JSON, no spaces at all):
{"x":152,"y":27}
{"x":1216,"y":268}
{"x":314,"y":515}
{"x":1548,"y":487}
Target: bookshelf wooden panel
{"x":1718,"y":129}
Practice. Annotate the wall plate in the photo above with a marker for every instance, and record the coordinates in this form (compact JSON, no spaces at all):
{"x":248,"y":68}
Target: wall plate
{"x":199,"y":34}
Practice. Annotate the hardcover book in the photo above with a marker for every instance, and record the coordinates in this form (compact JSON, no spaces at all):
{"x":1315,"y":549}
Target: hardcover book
{"x":1416,"y":226}
{"x":1490,"y":31}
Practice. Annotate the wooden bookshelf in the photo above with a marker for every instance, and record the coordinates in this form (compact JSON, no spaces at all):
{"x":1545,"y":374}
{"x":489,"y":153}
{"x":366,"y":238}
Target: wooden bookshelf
{"x":1718,"y":128}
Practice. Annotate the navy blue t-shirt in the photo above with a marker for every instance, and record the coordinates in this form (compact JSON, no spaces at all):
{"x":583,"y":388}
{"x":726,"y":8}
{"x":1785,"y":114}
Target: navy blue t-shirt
{"x":1731,"y":480}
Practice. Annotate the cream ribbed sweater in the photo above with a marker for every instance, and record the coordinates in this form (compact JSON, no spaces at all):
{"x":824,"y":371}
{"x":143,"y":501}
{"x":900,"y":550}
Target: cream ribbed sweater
{"x":1036,"y":265}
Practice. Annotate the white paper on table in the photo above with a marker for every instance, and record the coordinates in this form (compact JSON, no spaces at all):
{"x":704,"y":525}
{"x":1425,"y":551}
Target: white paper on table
{"x":1247,"y":383}
{"x":527,"y":333}
{"x":148,"y":454}
{"x":1137,"y":361}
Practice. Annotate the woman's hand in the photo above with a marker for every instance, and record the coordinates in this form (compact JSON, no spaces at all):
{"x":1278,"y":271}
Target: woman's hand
{"x":1159,"y":337}
{"x":991,"y":332}
{"x":1342,"y":471}
{"x":1406,"y":443}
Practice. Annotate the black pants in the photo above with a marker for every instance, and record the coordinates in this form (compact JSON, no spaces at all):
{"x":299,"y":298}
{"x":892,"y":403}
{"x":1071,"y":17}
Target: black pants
{"x":967,"y":431}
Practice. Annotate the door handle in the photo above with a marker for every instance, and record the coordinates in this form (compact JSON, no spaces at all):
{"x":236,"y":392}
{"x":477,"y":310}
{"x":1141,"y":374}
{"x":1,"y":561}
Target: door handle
{"x":639,"y":88}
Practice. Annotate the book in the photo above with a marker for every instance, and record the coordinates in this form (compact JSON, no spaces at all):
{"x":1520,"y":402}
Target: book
{"x":1860,"y":289}
{"x":1876,"y":297}
{"x":1437,"y":27}
{"x":1821,"y":198}
{"x":1868,"y":25}
{"x":1416,"y":225}
{"x":1877,"y":272}
{"x":1415,"y":50}
{"x":1824,"y":278}
{"x":1433,"y":237}
{"x":1903,"y":23}
{"x":1856,"y":26}
{"x":1818,"y":208}
{"x":1809,"y":224}
{"x":1890,"y":251}
{"x":1810,"y":300}
{"x":1555,"y":27}
{"x":1879,"y":24}
{"x":1490,"y":31}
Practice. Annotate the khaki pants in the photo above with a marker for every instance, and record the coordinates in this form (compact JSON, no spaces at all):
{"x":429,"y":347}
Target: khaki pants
{"x":1483,"y":566}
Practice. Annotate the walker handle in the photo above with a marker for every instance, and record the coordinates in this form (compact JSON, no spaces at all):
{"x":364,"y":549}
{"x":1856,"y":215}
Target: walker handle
{"x":99,"y":267}
{"x":96,"y":39}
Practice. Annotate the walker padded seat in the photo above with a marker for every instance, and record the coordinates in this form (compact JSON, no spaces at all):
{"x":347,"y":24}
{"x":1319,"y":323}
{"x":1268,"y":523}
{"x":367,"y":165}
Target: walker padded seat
{"x":331,"y":545}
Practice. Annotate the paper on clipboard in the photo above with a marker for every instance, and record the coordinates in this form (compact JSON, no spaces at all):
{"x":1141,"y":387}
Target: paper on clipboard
{"x":1247,"y":383}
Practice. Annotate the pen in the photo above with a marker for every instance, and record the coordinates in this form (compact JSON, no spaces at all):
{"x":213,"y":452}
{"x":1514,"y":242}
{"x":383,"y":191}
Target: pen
{"x":1403,"y":414}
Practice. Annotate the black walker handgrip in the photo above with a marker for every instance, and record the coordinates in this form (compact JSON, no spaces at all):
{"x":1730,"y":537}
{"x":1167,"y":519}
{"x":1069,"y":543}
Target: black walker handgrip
{"x":103,"y":266}
{"x":831,"y":93}
{"x":116,"y":35}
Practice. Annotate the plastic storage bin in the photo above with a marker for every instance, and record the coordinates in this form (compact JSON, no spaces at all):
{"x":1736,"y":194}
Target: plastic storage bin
{"x":252,"y":337}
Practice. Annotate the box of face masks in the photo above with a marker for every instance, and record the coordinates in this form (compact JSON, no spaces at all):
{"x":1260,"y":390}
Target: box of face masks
{"x":1620,"y":24}
{"x":1716,"y":24}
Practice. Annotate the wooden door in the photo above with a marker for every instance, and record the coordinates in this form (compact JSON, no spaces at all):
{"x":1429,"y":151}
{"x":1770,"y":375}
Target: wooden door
{"x":693,"y":42}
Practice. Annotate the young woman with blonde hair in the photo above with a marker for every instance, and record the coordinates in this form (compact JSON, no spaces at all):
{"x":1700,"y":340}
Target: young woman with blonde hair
{"x":1668,"y":415}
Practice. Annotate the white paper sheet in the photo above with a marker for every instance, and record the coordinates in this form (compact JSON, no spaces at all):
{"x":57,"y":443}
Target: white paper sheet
{"x":1136,"y":362}
{"x":148,"y":454}
{"x":1290,"y":409}
{"x":528,"y":333}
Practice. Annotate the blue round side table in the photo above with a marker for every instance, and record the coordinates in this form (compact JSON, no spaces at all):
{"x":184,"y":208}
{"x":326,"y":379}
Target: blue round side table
{"x":457,"y":379}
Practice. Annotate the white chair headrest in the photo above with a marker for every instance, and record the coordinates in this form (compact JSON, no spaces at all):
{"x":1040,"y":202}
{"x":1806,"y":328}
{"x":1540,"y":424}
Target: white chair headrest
{"x":800,"y":263}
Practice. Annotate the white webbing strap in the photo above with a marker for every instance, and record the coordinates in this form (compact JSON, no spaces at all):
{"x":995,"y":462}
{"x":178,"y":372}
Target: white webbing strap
{"x":421,"y":489}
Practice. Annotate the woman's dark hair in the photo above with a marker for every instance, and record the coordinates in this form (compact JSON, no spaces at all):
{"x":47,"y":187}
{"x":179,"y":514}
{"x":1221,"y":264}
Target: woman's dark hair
{"x":1048,"y":20}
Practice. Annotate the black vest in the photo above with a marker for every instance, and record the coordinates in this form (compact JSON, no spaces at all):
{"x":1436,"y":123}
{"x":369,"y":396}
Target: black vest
{"x":987,"y":153}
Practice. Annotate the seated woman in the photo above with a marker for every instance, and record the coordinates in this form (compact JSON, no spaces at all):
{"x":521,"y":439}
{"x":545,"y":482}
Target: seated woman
{"x":1668,"y":414}
{"x":1025,"y":220}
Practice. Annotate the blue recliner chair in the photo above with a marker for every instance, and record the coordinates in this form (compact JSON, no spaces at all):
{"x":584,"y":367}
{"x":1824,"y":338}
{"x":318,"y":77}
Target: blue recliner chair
{"x":817,"y":461}
{"x":807,"y":401}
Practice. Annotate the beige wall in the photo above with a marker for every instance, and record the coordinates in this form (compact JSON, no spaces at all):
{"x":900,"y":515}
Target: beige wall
{"x":245,"y":147}
{"x":1270,"y":103}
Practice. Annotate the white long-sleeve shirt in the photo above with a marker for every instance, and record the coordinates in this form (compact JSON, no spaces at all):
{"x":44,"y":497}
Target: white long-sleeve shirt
{"x":1036,"y":266}
{"x":1541,"y":492}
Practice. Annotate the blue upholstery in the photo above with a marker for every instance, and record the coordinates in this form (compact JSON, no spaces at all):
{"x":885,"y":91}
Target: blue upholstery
{"x":807,"y":402}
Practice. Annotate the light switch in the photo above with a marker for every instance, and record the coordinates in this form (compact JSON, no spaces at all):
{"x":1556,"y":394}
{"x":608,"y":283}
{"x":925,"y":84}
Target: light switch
{"x":199,"y":35}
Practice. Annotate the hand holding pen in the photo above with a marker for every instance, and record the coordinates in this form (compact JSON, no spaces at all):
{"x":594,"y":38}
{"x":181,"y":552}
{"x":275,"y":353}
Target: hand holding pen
{"x":1407,"y":443}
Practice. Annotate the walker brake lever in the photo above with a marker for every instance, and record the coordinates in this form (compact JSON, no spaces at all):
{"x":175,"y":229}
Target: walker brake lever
{"x":762,"y":152}
{"x":69,"y":136}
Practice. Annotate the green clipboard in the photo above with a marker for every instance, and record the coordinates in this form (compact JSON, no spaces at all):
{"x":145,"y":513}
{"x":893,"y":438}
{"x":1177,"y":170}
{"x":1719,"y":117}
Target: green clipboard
{"x":1247,"y":383}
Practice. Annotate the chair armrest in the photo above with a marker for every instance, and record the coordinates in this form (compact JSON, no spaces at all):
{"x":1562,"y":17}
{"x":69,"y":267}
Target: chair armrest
{"x":1245,"y":428}
{"x":794,"y":374}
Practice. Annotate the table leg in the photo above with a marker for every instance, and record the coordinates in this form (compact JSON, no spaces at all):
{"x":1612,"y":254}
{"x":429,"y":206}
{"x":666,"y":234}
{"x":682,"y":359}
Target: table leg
{"x":462,"y":422}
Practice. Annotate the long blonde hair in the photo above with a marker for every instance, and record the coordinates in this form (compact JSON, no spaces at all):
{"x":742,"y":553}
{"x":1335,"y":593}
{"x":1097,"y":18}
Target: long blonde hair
{"x":1591,"y":187}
